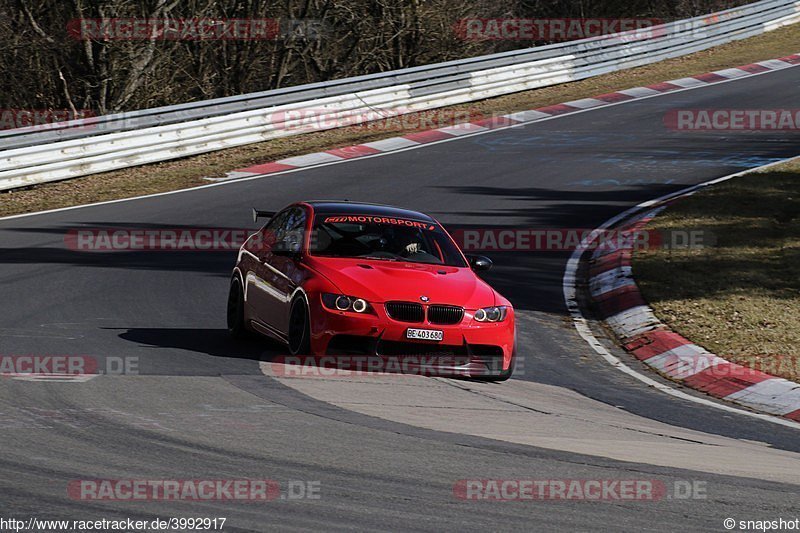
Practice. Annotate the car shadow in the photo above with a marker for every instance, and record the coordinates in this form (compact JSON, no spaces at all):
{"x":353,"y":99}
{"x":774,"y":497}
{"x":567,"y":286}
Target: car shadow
{"x":214,"y":342}
{"x":191,"y":254}
{"x":218,"y":343}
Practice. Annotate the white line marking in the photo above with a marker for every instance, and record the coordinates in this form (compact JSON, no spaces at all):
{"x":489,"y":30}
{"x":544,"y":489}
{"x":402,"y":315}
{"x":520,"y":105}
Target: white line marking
{"x":585,"y":332}
{"x":61,"y":378}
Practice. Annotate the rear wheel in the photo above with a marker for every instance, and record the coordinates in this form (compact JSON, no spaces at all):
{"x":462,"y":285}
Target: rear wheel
{"x":299,"y":328}
{"x":236,"y":327}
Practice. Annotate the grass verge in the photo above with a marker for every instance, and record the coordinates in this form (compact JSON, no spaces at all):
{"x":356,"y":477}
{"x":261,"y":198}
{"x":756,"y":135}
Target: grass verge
{"x":190,"y":171}
{"x":740,"y":296}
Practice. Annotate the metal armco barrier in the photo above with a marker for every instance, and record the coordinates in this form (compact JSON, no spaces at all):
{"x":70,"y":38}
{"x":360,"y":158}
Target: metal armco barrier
{"x":78,"y":148}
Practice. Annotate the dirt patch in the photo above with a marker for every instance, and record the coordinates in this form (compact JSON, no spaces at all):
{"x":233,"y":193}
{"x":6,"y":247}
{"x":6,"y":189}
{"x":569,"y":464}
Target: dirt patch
{"x":738,"y":297}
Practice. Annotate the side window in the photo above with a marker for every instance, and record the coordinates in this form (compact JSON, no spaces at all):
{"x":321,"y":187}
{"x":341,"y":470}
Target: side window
{"x":272,"y":230}
{"x":290,"y":230}
{"x":265,"y":239}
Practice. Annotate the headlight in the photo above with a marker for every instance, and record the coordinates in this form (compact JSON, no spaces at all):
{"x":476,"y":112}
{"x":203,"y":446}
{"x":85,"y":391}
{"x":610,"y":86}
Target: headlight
{"x":342,"y":302}
{"x":491,"y":314}
{"x":359,"y":305}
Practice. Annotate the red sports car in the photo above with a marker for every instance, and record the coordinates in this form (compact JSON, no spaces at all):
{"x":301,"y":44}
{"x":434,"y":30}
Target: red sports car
{"x":346,"y":278}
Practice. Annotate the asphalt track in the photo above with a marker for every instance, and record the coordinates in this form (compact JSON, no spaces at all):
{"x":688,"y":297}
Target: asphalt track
{"x":201,"y":407}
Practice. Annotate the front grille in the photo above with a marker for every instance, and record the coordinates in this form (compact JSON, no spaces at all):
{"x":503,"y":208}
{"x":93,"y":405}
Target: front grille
{"x":445,"y":314}
{"x":405,"y":311}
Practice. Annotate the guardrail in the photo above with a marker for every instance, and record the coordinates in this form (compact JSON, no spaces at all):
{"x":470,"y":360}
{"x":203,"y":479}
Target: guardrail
{"x":78,"y":148}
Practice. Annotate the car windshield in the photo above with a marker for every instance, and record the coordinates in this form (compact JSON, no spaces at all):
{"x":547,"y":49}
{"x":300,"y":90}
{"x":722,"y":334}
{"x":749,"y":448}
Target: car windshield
{"x":383,"y":238}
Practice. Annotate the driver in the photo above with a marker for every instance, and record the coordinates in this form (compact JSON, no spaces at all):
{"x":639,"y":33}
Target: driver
{"x":399,"y":241}
{"x":410,"y":242}
{"x":413,"y":248}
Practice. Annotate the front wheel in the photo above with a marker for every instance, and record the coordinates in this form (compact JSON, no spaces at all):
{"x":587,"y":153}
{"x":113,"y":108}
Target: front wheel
{"x":503,"y":375}
{"x":299,"y":328}
{"x":236,"y":327}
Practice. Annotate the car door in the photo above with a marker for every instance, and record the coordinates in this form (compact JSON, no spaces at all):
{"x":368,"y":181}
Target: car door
{"x":260,"y":278}
{"x":286,"y":268}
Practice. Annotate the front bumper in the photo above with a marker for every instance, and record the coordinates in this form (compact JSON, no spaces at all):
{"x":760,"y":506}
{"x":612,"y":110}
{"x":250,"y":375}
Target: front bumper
{"x":468,"y":349}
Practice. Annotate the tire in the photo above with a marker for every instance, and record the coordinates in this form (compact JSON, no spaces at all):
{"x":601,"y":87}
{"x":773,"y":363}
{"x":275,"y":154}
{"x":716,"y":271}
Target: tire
{"x":503,"y":375}
{"x":236,"y":326}
{"x":299,"y":328}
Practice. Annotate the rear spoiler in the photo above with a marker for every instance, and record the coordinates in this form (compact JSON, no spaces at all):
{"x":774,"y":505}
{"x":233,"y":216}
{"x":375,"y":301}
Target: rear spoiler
{"x":258,"y":213}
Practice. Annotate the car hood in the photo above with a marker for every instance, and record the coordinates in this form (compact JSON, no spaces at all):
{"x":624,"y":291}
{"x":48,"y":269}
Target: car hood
{"x":382,"y":281}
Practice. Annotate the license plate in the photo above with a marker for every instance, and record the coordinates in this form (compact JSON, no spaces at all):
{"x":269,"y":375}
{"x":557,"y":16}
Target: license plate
{"x":425,"y":334}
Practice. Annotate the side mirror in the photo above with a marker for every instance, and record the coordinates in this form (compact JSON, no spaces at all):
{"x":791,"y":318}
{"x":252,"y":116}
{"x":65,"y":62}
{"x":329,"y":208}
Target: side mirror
{"x":479,"y":263}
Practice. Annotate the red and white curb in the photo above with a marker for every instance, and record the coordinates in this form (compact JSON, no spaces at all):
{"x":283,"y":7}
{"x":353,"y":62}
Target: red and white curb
{"x":617,"y":299}
{"x":521,"y":117}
